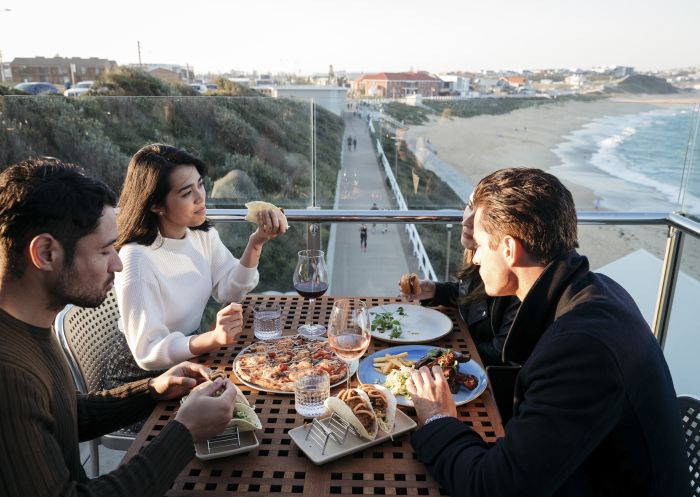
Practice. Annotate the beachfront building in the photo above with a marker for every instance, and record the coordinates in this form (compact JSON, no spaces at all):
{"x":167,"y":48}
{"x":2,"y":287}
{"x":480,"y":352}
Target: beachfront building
{"x":453,"y":84}
{"x":59,"y":70}
{"x":515,"y":84}
{"x":576,"y":80}
{"x":397,"y":84}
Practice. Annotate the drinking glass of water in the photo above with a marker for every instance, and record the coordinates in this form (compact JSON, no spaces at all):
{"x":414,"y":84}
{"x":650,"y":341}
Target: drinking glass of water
{"x":267,"y":321}
{"x":310,"y":392}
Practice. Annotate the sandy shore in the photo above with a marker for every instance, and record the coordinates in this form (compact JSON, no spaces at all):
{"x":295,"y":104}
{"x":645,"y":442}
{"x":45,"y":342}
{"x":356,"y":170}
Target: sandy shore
{"x":476,"y":146}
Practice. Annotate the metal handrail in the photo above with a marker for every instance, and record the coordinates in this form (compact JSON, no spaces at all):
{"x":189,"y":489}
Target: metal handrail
{"x":454,"y":216}
{"x":677,"y":223}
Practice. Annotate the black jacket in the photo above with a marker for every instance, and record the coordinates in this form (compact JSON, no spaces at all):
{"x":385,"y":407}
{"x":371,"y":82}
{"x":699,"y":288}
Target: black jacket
{"x":488,"y":319}
{"x":595,"y":412}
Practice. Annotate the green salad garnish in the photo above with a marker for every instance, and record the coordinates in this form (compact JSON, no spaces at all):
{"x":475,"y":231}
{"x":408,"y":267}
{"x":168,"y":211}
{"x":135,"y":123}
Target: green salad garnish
{"x":389,"y":322}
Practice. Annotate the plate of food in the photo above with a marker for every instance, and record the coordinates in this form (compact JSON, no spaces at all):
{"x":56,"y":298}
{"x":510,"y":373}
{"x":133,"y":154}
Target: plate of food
{"x":408,"y":323}
{"x":391,"y":368}
{"x":369,"y":416}
{"x":273,"y":365}
{"x":239,"y":435}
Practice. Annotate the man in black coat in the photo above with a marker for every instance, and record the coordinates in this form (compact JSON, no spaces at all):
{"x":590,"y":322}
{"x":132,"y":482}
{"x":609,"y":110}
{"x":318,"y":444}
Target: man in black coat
{"x":595,"y":411}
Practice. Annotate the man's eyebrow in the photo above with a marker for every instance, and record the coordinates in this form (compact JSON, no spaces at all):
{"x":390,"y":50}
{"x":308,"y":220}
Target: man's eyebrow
{"x":109,"y":243}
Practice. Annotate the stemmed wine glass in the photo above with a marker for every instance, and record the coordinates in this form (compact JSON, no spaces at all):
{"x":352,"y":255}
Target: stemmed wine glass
{"x":311,"y":281}
{"x":348,"y":330}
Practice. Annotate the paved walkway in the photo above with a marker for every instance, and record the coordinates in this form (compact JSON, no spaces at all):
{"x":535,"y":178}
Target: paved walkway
{"x":376,"y":271}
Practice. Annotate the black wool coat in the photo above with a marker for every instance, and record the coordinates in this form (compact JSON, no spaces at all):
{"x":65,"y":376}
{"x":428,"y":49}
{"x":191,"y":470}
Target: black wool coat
{"x":595,"y":412}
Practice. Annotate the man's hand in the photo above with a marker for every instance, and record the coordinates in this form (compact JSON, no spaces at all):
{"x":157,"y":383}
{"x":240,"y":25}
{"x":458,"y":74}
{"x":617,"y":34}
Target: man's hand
{"x":206,"y":416}
{"x":430,"y":393}
{"x":178,"y":380}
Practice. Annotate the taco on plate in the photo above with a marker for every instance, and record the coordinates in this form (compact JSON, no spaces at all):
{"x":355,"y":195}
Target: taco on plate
{"x":354,"y":406}
{"x":384,"y":405}
{"x":245,"y":418}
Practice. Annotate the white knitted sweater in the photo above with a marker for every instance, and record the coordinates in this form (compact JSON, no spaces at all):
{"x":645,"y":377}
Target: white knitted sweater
{"x":163,"y":290}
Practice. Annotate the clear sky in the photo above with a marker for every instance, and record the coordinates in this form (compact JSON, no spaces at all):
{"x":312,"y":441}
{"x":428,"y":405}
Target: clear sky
{"x":306,"y":36}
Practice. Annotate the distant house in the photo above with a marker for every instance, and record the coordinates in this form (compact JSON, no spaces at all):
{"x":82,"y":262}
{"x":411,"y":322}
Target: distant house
{"x":397,"y":84}
{"x":166,"y":75}
{"x":453,"y":84}
{"x":57,"y":70}
{"x":515,"y":81}
{"x":241,"y":81}
{"x":171,"y":73}
{"x":486,"y":85}
{"x":576,"y":80}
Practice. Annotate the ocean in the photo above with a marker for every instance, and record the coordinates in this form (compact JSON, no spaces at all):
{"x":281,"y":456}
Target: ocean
{"x":648,"y":161}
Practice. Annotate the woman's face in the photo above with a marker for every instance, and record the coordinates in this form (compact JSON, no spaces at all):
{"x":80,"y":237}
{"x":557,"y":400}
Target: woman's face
{"x":185,"y":204}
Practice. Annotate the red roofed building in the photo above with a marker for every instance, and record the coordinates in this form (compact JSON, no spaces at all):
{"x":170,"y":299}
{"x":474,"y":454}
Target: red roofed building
{"x":397,"y":84}
{"x":516,"y":81}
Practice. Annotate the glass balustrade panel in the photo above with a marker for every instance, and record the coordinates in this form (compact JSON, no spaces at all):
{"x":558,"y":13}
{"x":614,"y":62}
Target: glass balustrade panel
{"x":682,"y":339}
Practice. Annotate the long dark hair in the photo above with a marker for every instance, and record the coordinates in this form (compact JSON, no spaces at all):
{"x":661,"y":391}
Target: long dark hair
{"x":470,"y":271}
{"x":146,"y":185}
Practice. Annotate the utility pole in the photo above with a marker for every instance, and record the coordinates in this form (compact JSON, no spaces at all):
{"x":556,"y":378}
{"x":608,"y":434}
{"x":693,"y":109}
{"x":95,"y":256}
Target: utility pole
{"x":2,"y":67}
{"x":138,"y":46}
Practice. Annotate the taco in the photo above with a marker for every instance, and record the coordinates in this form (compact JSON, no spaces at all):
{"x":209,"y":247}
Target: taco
{"x":384,"y":405}
{"x":258,"y":206}
{"x":245,"y":418}
{"x":240,"y":398}
{"x":354,"y":406}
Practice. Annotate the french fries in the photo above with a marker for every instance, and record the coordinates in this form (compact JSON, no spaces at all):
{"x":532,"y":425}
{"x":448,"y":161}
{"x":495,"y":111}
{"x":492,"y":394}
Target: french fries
{"x":388,"y":362}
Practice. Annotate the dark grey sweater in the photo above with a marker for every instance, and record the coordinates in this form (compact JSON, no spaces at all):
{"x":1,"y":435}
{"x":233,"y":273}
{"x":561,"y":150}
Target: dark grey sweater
{"x":43,"y":418}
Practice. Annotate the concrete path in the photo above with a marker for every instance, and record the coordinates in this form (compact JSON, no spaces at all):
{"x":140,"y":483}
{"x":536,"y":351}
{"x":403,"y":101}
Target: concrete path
{"x":376,"y":271}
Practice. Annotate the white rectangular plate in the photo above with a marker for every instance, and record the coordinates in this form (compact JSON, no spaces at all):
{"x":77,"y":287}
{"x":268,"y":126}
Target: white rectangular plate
{"x":217,"y":447}
{"x":352,"y":443}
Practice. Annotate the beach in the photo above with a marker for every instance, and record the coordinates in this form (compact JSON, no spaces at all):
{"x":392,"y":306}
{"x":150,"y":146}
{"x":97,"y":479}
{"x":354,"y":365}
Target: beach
{"x":463,"y":150}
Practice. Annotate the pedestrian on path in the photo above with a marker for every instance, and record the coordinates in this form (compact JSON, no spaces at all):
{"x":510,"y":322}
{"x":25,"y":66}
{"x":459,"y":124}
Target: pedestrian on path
{"x":363,"y":237}
{"x":374,"y":208}
{"x":354,"y":143}
{"x":349,"y":142}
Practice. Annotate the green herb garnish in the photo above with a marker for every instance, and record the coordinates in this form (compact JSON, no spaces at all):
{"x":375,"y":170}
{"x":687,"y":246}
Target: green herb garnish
{"x":389,"y":321}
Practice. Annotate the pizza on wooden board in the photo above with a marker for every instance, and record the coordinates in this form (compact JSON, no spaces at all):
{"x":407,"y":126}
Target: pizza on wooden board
{"x":275,"y":364}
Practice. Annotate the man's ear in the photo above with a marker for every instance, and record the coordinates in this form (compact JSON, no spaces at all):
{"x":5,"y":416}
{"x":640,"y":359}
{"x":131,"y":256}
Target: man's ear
{"x":45,"y":252}
{"x":516,"y":254}
{"x":513,"y":251}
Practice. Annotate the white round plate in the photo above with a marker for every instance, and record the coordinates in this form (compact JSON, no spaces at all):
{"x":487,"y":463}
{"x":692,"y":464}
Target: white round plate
{"x":419,"y":325}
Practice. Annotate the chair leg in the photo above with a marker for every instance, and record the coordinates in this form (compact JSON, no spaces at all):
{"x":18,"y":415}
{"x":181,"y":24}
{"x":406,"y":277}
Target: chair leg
{"x":94,"y":458}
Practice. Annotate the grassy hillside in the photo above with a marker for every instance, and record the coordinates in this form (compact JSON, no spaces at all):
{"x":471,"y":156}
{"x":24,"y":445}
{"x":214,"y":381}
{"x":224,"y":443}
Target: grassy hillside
{"x":267,"y":139}
{"x":639,"y":83}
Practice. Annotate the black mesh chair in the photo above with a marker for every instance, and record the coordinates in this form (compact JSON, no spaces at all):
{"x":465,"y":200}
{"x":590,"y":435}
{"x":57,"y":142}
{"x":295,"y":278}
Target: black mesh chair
{"x":690,"y":419}
{"x":89,"y":338}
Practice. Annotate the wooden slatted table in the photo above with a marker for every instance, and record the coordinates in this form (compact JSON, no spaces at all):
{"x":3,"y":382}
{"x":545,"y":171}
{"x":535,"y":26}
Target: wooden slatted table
{"x":277,"y":466}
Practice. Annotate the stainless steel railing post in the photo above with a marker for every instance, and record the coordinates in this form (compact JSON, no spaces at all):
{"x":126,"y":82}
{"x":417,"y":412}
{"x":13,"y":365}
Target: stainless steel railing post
{"x":667,"y":287}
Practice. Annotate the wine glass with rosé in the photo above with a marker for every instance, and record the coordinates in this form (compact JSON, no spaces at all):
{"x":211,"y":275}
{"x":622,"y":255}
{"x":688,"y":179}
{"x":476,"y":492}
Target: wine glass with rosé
{"x":349,"y":331}
{"x":311,"y":281}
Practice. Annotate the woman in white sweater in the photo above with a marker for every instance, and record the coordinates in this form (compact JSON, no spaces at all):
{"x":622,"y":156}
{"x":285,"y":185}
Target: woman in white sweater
{"x":174,"y":261}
